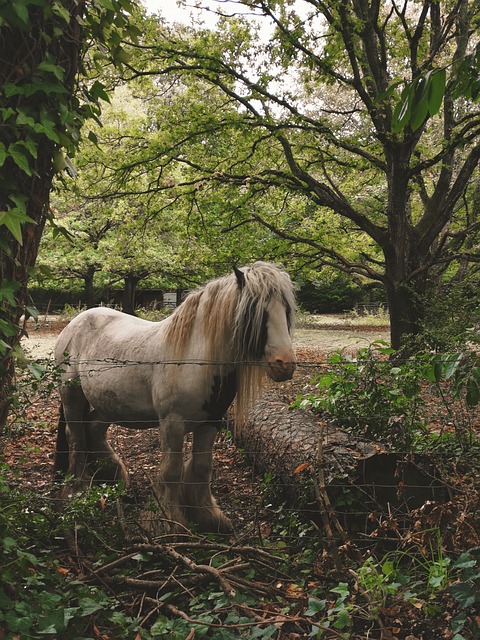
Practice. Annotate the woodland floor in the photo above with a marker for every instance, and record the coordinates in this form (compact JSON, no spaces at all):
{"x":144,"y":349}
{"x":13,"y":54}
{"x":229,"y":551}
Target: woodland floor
{"x":28,"y":449}
{"x":31,"y":447}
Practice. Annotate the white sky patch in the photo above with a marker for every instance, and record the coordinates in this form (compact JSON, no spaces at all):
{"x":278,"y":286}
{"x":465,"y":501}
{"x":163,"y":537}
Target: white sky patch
{"x":172,"y":11}
{"x":205,"y":12}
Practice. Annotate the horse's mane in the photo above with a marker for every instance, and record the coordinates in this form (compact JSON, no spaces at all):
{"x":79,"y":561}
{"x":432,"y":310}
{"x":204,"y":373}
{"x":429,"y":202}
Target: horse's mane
{"x":232,"y":317}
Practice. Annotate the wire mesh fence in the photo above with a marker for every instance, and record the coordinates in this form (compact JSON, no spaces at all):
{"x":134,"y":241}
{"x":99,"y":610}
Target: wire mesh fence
{"x":385,"y":491}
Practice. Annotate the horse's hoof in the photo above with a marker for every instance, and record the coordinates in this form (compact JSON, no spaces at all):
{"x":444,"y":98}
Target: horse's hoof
{"x":210,"y":520}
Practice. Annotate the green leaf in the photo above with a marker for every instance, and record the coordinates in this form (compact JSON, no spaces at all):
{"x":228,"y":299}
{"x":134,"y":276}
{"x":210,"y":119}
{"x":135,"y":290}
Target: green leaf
{"x":7,"y":291}
{"x":120,"y":55}
{"x":89,"y":605}
{"x":92,"y":136}
{"x":452,"y":363}
{"x":464,"y":594}
{"x":21,"y":10}
{"x":23,"y":118}
{"x":48,"y":125}
{"x":458,"y":622}
{"x":420,"y":102}
{"x":388,"y":567}
{"x":421,"y":89}
{"x":11,"y":89}
{"x":465,"y":561}
{"x":8,"y":544}
{"x":472,"y":397}
{"x":36,"y":370}
{"x":342,"y":589}
{"x":54,"y":622}
{"x":476,"y":374}
{"x":17,"y":153}
{"x":98,"y":90}
{"x":31,"y":312}
{"x":4,"y":347}
{"x":61,"y":11}
{"x":13,"y":220}
{"x":45,"y":87}
{"x":7,"y":113}
{"x":3,"y":154}
{"x":403,"y":108}
{"x":48,"y":601}
{"x":20,"y":201}
{"x":19,"y":623}
{"x":31,"y":147}
{"x":343,"y":620}
{"x":315,"y":606}
{"x":263,"y":632}
{"x":56,"y":69}
{"x":436,"y":90}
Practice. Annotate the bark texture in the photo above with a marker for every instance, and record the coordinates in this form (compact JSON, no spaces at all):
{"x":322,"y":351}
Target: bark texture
{"x":312,"y":460}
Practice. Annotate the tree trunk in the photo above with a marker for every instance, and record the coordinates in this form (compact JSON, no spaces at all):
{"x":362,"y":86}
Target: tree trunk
{"x":406,"y":307}
{"x":404,"y":292}
{"x":128,"y":298}
{"x":314,"y":463}
{"x":16,"y":262}
{"x":27,"y":168}
{"x":89,"y":289}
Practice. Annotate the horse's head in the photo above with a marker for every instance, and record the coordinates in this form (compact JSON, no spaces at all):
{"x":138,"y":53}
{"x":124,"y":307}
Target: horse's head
{"x":266,"y":318}
{"x":279,"y":352}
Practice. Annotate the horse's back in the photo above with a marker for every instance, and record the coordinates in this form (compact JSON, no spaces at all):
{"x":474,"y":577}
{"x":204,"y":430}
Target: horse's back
{"x":96,"y":329}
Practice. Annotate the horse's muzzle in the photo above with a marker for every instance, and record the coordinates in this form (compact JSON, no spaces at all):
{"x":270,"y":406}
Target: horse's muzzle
{"x":279,"y":370}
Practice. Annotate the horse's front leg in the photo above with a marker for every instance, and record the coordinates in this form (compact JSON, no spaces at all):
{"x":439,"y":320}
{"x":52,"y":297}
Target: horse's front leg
{"x":169,"y":480}
{"x":201,"y":506}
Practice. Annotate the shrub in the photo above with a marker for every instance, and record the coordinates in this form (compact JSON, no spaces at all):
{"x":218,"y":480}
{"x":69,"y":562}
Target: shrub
{"x":369,"y":394}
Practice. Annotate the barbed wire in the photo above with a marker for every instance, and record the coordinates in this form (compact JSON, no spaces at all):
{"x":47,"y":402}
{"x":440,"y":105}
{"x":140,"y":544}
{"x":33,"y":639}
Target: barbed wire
{"x":348,"y":359}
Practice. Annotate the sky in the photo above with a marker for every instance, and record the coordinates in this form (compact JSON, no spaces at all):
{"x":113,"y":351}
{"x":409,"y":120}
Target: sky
{"x":172,"y":12}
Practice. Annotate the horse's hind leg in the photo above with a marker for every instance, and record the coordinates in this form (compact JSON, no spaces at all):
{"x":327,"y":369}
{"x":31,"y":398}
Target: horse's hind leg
{"x":201,"y":506}
{"x":104,"y":464}
{"x":75,"y":408}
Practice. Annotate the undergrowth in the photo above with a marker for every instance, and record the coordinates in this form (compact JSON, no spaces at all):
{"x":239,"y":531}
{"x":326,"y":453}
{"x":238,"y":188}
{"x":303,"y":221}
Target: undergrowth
{"x":80,"y":569}
{"x":382,"y":396}
{"x":71,"y":572}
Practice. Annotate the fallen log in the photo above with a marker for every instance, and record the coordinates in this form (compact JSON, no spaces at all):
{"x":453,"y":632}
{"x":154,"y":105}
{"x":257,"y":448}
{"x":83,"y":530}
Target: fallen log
{"x":317,"y":466}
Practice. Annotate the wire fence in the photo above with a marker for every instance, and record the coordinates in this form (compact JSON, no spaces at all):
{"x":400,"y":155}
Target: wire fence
{"x":376,"y":499}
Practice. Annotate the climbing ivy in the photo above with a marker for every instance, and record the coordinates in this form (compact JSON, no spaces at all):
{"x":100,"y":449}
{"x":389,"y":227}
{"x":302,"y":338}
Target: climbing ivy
{"x":51,"y":53}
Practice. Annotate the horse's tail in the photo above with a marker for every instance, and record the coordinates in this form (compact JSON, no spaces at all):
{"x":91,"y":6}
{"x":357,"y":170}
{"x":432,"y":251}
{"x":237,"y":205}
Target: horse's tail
{"x":61,"y":449}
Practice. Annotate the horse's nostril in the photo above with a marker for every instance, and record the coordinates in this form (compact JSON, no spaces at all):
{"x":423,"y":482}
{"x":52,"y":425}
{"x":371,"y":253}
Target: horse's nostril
{"x":284,"y":363}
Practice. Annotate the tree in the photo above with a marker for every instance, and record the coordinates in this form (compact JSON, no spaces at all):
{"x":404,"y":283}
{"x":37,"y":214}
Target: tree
{"x":310,"y":111}
{"x":43,"y":107}
{"x":120,"y":237}
{"x":73,"y":249}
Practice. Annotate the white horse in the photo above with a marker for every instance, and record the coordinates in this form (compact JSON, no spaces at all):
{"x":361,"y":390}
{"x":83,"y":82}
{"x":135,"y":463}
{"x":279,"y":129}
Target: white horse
{"x":180,"y":374}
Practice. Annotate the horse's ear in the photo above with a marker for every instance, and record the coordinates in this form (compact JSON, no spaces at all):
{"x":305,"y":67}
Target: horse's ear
{"x":240,"y":277}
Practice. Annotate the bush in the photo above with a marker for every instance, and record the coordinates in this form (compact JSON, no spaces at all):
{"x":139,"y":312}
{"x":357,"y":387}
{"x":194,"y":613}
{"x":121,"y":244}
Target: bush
{"x":330,"y":296}
{"x":374,"y":395}
{"x":370,"y":395}
{"x":40,"y":597}
{"x":451,"y":316}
